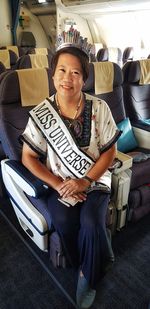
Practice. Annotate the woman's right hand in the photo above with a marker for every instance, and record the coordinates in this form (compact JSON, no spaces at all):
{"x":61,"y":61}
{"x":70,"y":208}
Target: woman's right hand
{"x":73,"y":187}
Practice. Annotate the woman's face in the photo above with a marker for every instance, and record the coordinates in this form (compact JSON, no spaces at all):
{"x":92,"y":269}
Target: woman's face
{"x":68,"y":76}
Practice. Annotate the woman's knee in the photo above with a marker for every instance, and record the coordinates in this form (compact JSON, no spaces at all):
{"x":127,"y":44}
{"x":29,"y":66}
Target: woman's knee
{"x":94,"y":213}
{"x":64,"y":220}
{"x":89,"y":221}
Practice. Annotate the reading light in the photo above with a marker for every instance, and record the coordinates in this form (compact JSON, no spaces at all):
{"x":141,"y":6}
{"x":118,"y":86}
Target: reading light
{"x":41,"y":1}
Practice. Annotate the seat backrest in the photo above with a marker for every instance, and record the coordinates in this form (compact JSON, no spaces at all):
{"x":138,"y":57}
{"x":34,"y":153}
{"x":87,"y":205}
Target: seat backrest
{"x":136,"y":88}
{"x":15,"y":81}
{"x":14,"y":88}
{"x":2,"y":67}
{"x":128,"y":54}
{"x":27,"y":41}
{"x":113,"y":54}
{"x":102,"y":54}
{"x":41,"y":51}
{"x":16,"y":49}
{"x":89,"y":84}
{"x":8,"y":58}
{"x":105,"y":81}
{"x":34,"y":61}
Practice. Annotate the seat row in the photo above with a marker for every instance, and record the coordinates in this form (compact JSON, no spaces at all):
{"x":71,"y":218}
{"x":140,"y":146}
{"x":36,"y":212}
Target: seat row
{"x":14,"y":57}
{"x":116,"y":55}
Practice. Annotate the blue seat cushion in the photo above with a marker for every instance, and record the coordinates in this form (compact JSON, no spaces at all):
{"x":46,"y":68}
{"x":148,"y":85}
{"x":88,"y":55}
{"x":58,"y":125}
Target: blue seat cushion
{"x":127,"y":140}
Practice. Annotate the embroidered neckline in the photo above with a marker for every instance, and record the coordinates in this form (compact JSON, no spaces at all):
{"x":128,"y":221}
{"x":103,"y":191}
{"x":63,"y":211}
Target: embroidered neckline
{"x":77,"y":109}
{"x":84,"y":119}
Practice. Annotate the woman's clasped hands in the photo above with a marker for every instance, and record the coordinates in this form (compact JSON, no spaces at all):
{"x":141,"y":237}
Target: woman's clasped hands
{"x":75,"y":188}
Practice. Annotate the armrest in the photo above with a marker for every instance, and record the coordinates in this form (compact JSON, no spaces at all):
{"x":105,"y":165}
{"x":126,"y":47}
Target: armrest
{"x":141,"y":125}
{"x":29,"y":183}
{"x":126,"y":162}
{"x":142,"y":136}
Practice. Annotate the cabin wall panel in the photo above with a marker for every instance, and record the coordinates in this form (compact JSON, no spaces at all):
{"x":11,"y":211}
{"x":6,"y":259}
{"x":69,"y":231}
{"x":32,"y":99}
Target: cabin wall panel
{"x":126,"y":29}
{"x":119,"y":30}
{"x":35,"y":27}
{"x":49,"y":23}
{"x":5,"y":23}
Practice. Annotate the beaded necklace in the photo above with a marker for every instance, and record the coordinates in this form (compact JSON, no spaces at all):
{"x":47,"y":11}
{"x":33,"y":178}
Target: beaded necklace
{"x":77,"y":109}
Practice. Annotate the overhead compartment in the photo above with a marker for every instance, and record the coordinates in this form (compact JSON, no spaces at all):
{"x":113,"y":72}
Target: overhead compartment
{"x":84,"y":2}
{"x":40,"y":8}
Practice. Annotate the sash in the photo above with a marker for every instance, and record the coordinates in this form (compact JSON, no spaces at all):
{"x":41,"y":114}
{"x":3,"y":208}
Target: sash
{"x":61,"y":140}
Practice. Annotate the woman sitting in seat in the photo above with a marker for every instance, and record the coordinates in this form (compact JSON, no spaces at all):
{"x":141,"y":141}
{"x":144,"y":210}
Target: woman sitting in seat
{"x":69,"y":143}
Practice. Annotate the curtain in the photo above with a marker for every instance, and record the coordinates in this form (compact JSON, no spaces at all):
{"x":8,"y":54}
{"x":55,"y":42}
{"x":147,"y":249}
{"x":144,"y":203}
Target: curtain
{"x":15,"y":10}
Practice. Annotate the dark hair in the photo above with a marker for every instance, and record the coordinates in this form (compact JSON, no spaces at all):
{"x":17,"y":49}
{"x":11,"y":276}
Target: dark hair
{"x":83,"y":58}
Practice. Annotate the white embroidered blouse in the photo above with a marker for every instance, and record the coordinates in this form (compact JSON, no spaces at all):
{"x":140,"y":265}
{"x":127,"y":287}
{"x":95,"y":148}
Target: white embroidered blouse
{"x":98,"y":133}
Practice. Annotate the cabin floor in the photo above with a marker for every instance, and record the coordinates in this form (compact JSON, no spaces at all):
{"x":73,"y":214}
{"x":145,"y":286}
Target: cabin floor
{"x":28,"y":279}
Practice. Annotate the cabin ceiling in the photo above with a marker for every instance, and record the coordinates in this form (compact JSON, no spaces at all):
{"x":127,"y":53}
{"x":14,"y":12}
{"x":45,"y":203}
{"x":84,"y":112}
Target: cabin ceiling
{"x":37,"y":8}
{"x":87,"y":7}
{"x":90,"y":7}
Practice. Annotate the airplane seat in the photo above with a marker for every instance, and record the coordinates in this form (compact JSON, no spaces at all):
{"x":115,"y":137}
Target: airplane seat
{"x":41,"y":51}
{"x":89,"y":84}
{"x":136,"y":148}
{"x":2,"y":67}
{"x":3,"y":72}
{"x":105,"y":82}
{"x":136,"y":88}
{"x":16,"y":99}
{"x":128,"y":54}
{"x":27,"y":41}
{"x":92,"y":57}
{"x":16,"y":49}
{"x":34,"y":61}
{"x":8,"y":58}
{"x":110,"y":88}
{"x":113,"y":54}
{"x":102,"y":54}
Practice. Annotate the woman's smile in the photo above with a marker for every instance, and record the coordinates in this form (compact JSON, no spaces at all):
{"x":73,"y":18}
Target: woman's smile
{"x":68,"y":77}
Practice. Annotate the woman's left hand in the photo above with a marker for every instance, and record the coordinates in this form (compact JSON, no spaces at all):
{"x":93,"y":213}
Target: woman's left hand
{"x":70,"y":187}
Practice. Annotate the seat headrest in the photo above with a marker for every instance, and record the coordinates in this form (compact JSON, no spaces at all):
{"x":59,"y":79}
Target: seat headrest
{"x":16,"y":49}
{"x":102,"y":54}
{"x":27,"y":39}
{"x":8,"y":58}
{"x":114,"y":54}
{"x":104,"y":76}
{"x":107,"y":76}
{"x":89,"y":84}
{"x":145,"y":71}
{"x":116,"y":79}
{"x":128,"y":54}
{"x":34,"y":61}
{"x":42,"y":51}
{"x":26,"y":86}
{"x":137,"y":71}
{"x":2,"y":67}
